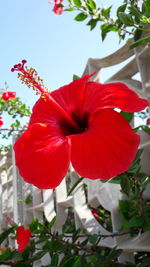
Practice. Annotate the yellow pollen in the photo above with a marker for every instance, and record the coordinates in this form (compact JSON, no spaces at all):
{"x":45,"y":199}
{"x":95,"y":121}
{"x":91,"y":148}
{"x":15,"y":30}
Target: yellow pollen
{"x":31,"y":78}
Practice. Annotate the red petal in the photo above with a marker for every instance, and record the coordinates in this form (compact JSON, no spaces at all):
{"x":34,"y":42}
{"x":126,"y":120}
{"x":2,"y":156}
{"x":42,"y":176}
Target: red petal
{"x":5,"y":96}
{"x":113,"y":95}
{"x":12,"y":94}
{"x":106,"y":149}
{"x":70,"y":97}
{"x":57,"y":9}
{"x":42,"y":155}
{"x":23,"y":237}
{"x":44,"y":112}
{"x":8,"y":95}
{"x":82,"y":96}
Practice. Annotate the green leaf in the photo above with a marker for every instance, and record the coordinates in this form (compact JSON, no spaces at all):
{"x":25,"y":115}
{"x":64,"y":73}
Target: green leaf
{"x":105,"y":28}
{"x":92,"y":23}
{"x":137,"y":34}
{"x":125,"y":185}
{"x":75,"y":77}
{"x":127,"y":115}
{"x":75,"y":235}
{"x":92,"y":261}
{"x":5,"y":234}
{"x":114,"y":253}
{"x":138,"y":155}
{"x":28,"y":199}
{"x":27,"y":252}
{"x":134,"y":168}
{"x":5,"y":255}
{"x":84,"y":243}
{"x":145,"y":128}
{"x":69,"y":9}
{"x":93,"y":239}
{"x":115,"y":180}
{"x":91,"y":4}
{"x":74,"y":186}
{"x":106,"y":11}
{"x":145,"y":262}
{"x":135,"y":12}
{"x":146,"y":226}
{"x":55,"y":245}
{"x":70,"y":262}
{"x":20,"y":264}
{"x":124,"y":207}
{"x":54,"y":260}
{"x":70,"y":2}
{"x":121,"y":8}
{"x":126,"y":19}
{"x":34,"y":225}
{"x":51,"y":224}
{"x":147,"y":7}
{"x":77,"y":3}
{"x":38,"y":255}
{"x":81,"y":17}
{"x":140,"y":42}
{"x":16,"y":256}
{"x":135,"y":221}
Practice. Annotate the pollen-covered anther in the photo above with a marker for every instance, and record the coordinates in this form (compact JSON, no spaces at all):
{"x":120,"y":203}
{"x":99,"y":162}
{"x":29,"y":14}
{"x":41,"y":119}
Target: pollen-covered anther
{"x":30,"y":77}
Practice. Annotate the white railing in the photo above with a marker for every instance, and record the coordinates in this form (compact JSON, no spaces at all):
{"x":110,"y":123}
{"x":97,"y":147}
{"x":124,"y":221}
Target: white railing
{"x":56,"y":203}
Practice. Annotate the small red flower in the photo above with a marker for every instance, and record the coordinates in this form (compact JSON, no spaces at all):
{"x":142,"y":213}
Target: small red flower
{"x":58,"y":7}
{"x":96,"y":214}
{"x":77,"y":124}
{"x":148,"y":121}
{"x":8,"y":95}
{"x":1,"y":121}
{"x":23,"y":237}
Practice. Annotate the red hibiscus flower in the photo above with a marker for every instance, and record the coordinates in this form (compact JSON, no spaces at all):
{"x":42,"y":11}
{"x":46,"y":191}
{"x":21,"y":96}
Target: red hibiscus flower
{"x":77,"y":124}
{"x":23,"y":237}
{"x":8,"y":95}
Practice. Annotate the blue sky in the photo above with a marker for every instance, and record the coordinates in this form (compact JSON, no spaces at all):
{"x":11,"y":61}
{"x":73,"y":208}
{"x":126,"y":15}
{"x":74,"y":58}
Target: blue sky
{"x":56,"y":46}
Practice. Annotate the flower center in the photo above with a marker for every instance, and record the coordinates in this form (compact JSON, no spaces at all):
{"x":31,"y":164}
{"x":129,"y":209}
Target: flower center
{"x":68,"y":129}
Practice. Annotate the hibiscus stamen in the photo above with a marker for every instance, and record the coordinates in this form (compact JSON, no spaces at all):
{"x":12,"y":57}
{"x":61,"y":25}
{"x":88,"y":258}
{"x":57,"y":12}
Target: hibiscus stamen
{"x":30,"y":77}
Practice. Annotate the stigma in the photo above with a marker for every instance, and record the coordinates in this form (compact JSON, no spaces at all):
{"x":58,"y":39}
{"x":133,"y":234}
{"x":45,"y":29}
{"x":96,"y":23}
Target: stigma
{"x":30,"y":77}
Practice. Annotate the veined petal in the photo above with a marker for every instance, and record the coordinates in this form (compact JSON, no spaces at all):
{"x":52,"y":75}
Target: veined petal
{"x":106,"y":149}
{"x":42,"y":155}
{"x":44,"y":112}
{"x":71,"y":97}
{"x":113,"y":95}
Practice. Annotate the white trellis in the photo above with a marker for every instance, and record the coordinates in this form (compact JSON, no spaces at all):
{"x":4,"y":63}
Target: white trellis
{"x":14,"y":189}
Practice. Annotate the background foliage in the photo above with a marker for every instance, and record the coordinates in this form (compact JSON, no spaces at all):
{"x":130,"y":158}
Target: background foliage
{"x":132,"y":19}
